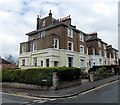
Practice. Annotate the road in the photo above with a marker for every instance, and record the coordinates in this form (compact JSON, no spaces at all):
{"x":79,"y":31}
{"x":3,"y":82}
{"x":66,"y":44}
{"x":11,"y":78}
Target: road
{"x":107,"y":93}
{"x":103,"y":94}
{"x":21,"y":99}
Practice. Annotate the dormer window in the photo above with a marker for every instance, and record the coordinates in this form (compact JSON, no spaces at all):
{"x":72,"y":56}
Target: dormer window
{"x":43,"y":24}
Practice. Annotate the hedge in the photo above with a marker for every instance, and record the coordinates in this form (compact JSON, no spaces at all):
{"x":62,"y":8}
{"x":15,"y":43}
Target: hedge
{"x":40,"y":76}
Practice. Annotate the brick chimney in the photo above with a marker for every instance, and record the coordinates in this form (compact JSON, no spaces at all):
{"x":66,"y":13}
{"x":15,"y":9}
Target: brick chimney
{"x":66,"y":20}
{"x":93,"y":34}
{"x":38,"y":22}
{"x":50,"y":14}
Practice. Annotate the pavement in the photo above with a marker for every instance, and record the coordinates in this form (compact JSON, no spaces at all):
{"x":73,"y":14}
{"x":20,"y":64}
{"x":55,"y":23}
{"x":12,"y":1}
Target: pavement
{"x":62,"y":93}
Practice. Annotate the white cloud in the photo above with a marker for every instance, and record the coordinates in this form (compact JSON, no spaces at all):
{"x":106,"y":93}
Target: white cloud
{"x":19,"y":17}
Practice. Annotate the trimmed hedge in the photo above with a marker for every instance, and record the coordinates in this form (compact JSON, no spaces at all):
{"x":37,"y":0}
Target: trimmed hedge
{"x":40,"y":76}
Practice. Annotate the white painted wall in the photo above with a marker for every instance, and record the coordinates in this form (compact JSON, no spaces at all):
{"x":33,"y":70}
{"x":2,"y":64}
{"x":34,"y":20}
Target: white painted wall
{"x":60,"y":55}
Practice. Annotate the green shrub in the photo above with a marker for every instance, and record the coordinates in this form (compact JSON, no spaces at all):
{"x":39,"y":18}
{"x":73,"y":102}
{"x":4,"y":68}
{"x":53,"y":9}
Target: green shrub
{"x":6,"y":75}
{"x":68,"y":74}
{"x":40,"y":76}
{"x":85,"y":75}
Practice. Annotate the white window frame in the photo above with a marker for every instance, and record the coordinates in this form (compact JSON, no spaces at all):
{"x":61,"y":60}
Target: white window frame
{"x":71,"y":45}
{"x":23,"y":48}
{"x":43,"y":24}
{"x":30,"y":38}
{"x":55,"y":39}
{"x":35,"y":61}
{"x":100,"y":52}
{"x":71,"y":61}
{"x":23,"y":62}
{"x":104,"y":46}
{"x":81,"y":37}
{"x":42,"y":34}
{"x":99,"y":44}
{"x":70,"y":32}
{"x":87,"y":51}
{"x":82,"y":66}
{"x":34,"y":43}
{"x":41,"y":63}
{"x":105,"y":55}
{"x":82,"y":52}
{"x":93,"y":49}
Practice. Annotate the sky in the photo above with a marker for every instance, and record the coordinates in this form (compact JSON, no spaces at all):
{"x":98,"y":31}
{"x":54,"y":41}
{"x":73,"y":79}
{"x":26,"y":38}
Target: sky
{"x":18,"y":17}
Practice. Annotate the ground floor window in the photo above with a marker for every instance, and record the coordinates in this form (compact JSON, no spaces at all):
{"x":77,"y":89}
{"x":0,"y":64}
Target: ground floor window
{"x":23,"y":62}
{"x":47,"y":62}
{"x":55,"y":63}
{"x":35,"y":61}
{"x":41,"y":63}
{"x":82,"y":63}
{"x":70,"y":61}
{"x":100,"y":61}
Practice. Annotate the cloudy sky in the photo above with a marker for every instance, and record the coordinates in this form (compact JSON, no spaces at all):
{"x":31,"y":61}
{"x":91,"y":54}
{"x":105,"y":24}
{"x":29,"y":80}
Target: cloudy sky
{"x":18,"y":17}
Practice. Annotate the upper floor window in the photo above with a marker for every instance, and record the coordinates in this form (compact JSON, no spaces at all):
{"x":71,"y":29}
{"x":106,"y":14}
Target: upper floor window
{"x":104,"y":46}
{"x":70,"y":45}
{"x":56,"y":43}
{"x":87,"y":51}
{"x":42,"y":34}
{"x":81,"y":37}
{"x":23,"y":48}
{"x":99,"y":44}
{"x":43,"y":24}
{"x":81,"y":49}
{"x":105,"y":54}
{"x":34,"y":46}
{"x":93,"y":51}
{"x":100,"y":53}
{"x":70,"y":32}
{"x":30,"y":38}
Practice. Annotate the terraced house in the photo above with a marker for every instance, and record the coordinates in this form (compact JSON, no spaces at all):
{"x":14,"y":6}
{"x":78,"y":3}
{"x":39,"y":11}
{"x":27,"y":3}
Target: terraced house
{"x":100,"y":53}
{"x":54,"y":43}
{"x":57,"y":43}
{"x":97,"y":50}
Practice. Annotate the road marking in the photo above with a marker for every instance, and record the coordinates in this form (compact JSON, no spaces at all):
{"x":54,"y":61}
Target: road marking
{"x":98,"y":87}
{"x":25,"y":96}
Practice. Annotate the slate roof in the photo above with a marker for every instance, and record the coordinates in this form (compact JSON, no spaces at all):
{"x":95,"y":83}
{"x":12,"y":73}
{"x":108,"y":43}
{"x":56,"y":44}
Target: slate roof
{"x":3,"y":61}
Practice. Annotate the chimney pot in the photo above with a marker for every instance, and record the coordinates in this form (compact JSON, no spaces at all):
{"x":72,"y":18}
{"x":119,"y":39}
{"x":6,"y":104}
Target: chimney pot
{"x":50,"y":13}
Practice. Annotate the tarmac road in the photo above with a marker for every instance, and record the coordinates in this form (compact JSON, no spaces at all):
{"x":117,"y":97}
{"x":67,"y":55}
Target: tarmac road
{"x":21,"y":99}
{"x":104,"y":94}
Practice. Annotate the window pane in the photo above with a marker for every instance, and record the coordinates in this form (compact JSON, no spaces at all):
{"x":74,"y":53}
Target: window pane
{"x":35,"y":61}
{"x":47,"y":62}
{"x":70,"y":61}
{"x":23,"y":62}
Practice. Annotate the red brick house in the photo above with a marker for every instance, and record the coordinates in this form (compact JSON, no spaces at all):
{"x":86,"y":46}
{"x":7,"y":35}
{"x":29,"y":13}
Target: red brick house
{"x":4,"y":64}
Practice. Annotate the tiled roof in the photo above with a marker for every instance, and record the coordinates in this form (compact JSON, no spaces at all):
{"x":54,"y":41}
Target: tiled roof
{"x":52,"y":26}
{"x":3,"y":61}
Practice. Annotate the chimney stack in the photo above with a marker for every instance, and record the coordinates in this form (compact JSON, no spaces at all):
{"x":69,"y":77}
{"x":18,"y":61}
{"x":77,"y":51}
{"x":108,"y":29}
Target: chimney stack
{"x":50,"y":14}
{"x":38,"y":22}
